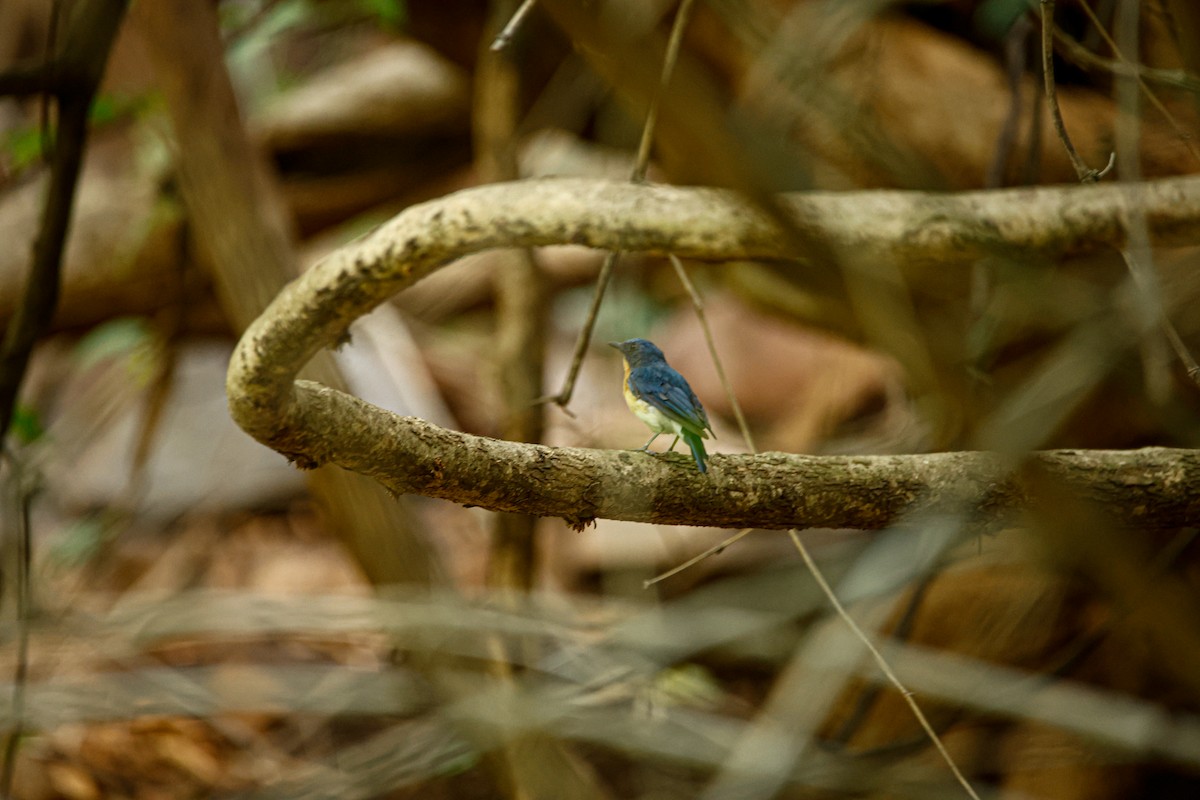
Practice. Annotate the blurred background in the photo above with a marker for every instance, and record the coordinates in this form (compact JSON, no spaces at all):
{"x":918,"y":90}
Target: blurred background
{"x":205,"y":620}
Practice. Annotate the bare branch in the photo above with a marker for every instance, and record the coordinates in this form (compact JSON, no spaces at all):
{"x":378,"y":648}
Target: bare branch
{"x":1154,"y":487}
{"x":87,"y":45}
{"x":883,"y":665}
{"x":1085,"y":173}
{"x":314,"y":425}
{"x":505,"y":36}
{"x":638,"y":175}
{"x":25,"y":80}
{"x":1081,"y":56}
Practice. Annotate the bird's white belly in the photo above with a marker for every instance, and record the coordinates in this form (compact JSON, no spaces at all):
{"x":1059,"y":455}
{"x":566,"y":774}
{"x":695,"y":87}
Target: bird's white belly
{"x":655,"y":420}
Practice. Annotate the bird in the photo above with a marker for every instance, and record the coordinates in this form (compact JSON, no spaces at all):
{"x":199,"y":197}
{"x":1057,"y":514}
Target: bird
{"x":661,"y":397}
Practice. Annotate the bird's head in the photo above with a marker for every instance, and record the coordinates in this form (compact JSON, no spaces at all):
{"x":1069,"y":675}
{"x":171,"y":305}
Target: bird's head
{"x":638,"y":351}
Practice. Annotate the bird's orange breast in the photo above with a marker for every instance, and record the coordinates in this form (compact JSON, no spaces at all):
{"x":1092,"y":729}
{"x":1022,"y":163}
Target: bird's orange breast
{"x":654,"y":419}
{"x":630,"y":399}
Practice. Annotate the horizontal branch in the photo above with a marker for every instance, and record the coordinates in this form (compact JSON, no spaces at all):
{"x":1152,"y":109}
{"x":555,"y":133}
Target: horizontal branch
{"x":19,"y":81}
{"x":1154,"y":487}
{"x":314,"y":425}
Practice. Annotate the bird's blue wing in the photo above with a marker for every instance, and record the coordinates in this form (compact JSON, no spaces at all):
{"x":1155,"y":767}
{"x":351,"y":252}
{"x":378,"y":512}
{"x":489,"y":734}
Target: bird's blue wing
{"x":668,"y":391}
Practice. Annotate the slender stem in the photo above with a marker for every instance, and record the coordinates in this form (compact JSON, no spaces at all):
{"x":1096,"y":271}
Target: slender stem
{"x":1131,"y":69}
{"x":884,"y":667}
{"x":698,"y":304}
{"x":1171,"y":78}
{"x":563,"y":398}
{"x":669,"y":60}
{"x":696,"y":559}
{"x":1082,"y":171}
{"x":637,"y":175}
{"x":23,"y":591}
{"x":505,"y":36}
{"x":82,"y":59}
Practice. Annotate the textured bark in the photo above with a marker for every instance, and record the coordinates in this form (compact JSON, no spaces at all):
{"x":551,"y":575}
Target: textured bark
{"x":314,"y":425}
{"x":1153,"y":487}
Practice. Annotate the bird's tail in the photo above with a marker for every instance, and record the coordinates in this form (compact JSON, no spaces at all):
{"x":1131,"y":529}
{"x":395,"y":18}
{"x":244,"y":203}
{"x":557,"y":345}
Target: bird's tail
{"x":697,"y":446}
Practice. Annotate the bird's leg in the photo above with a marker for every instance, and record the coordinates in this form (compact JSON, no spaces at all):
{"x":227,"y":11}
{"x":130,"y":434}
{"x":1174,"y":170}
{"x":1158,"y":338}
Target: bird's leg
{"x":672,"y":447}
{"x":646,"y":447}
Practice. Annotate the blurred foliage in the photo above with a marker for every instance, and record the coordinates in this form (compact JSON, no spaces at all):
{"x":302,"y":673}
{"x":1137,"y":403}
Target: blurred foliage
{"x":131,"y":340}
{"x":26,"y":424}
{"x":22,"y":144}
{"x":994,"y":18}
{"x":255,"y":32}
{"x":266,"y":18}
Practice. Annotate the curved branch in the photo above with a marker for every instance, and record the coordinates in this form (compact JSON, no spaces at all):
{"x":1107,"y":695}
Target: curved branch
{"x":315,"y":425}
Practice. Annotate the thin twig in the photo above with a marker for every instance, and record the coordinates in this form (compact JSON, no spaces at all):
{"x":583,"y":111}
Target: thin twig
{"x":698,"y":304}
{"x":86,"y":50}
{"x":670,"y":58}
{"x":505,"y":36}
{"x":637,"y":175}
{"x":664,"y":80}
{"x":1082,"y":171}
{"x":696,"y":559}
{"x":23,"y":596}
{"x":1132,"y":70}
{"x":681,"y":20}
{"x":1014,"y":63}
{"x":1137,"y":253}
{"x":813,"y":569}
{"x":585,"y":335}
{"x":884,"y":667}
{"x":1190,"y":365}
{"x":1171,"y":78}
{"x":1146,"y":282}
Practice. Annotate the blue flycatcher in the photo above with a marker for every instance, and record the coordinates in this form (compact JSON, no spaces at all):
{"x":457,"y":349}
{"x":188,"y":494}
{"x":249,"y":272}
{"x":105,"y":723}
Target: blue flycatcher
{"x":661,"y":398}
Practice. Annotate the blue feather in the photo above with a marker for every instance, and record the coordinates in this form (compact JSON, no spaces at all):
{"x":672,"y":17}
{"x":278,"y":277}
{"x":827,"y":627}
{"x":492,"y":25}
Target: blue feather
{"x":662,"y":398}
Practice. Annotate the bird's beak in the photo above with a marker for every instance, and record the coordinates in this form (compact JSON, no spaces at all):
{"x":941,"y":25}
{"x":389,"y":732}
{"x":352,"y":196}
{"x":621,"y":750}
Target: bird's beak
{"x":615,"y":344}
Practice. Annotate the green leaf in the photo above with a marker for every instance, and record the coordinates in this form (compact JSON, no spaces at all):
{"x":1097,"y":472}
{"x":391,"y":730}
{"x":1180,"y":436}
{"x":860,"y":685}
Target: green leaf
{"x":24,"y":146}
{"x":81,"y":542}
{"x":993,"y":18}
{"x":26,"y":424}
{"x":391,"y":14}
{"x":118,"y":338}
